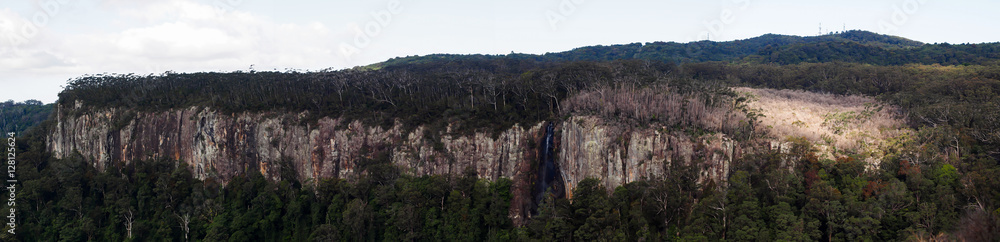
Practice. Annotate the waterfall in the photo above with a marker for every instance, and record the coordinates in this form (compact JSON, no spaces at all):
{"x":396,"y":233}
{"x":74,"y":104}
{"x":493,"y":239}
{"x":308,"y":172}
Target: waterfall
{"x":547,"y":168}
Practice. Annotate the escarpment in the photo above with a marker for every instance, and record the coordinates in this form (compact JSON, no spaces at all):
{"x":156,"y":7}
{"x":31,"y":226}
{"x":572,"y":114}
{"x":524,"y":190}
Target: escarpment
{"x":282,"y":145}
{"x":221,"y":146}
{"x":543,"y":142}
{"x":544,"y":158}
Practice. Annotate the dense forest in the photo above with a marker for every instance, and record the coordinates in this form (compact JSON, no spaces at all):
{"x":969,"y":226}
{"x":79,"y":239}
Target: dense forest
{"x":940,"y":182}
{"x":20,"y":116}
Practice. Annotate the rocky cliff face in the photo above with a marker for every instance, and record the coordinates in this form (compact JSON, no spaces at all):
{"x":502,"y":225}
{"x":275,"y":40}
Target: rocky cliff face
{"x":220,"y":146}
{"x":618,"y":155}
{"x":223,"y":146}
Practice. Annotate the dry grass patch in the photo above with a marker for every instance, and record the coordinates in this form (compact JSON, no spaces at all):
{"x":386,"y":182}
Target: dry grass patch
{"x":846,"y":122}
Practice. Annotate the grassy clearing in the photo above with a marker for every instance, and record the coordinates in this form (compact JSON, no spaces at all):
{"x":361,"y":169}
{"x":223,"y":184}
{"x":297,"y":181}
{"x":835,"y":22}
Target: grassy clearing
{"x":853,"y":123}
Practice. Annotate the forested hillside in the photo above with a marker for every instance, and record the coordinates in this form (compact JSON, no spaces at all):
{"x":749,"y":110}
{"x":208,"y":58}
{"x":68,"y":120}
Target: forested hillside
{"x":19,"y":117}
{"x":938,"y":177}
{"x":851,"y":46}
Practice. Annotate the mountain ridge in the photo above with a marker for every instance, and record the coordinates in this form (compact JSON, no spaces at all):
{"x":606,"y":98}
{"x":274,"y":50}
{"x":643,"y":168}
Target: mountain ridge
{"x":850,"y":46}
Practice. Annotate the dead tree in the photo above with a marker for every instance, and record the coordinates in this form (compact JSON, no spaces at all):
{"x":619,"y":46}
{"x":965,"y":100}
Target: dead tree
{"x":129,"y":219}
{"x":184,"y":222}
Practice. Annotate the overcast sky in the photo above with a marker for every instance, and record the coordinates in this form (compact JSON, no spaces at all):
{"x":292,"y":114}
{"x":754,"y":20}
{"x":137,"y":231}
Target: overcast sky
{"x":46,"y":42}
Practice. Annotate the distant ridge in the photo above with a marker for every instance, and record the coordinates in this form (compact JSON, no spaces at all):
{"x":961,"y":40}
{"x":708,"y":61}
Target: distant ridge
{"x":855,"y":46}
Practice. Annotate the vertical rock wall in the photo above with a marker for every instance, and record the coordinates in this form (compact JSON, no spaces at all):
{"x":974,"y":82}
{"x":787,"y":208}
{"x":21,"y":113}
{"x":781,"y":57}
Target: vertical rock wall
{"x":220,"y":146}
{"x":619,"y":155}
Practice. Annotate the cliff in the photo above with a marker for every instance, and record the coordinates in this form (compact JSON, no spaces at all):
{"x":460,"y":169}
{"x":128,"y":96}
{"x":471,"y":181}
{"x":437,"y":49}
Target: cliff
{"x":618,"y":155}
{"x":220,"y":146}
{"x":223,"y":146}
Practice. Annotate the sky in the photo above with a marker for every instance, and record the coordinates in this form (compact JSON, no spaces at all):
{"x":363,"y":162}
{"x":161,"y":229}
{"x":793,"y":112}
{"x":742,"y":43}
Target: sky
{"x":45,"y":43}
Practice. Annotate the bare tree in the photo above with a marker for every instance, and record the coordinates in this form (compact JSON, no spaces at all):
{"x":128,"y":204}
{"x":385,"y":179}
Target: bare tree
{"x":380,"y":90}
{"x":184,"y":221}
{"x":129,"y":219}
{"x":492,"y":89}
{"x":722,"y":213}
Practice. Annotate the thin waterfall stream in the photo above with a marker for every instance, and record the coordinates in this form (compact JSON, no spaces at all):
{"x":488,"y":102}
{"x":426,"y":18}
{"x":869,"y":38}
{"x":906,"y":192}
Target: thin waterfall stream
{"x":547,"y":169}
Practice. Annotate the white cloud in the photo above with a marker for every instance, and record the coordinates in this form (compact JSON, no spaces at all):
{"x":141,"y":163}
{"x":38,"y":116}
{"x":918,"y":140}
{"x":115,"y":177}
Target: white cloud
{"x":178,"y":35}
{"x":185,"y":36}
{"x":152,"y":11}
{"x":181,"y":40}
{"x":34,"y":59}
